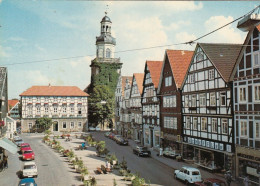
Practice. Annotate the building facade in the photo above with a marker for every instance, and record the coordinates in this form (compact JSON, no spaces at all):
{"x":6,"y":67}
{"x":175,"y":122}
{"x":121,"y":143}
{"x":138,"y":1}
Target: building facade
{"x":136,"y":106}
{"x":13,"y":109}
{"x":125,"y":110}
{"x":150,"y":105}
{"x":119,"y":94}
{"x":65,"y":105}
{"x":175,"y":66}
{"x":247,"y":108}
{"x":208,"y":131}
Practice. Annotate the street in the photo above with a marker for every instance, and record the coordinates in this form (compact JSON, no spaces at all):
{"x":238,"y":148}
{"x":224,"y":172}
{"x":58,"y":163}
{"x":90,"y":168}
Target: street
{"x":52,"y":170}
{"x":148,"y":168}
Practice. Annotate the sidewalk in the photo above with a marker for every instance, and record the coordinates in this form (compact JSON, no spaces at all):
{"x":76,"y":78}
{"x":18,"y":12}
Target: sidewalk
{"x":177,"y":165}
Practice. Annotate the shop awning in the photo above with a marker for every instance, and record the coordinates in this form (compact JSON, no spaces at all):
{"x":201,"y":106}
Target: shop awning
{"x":8,"y":145}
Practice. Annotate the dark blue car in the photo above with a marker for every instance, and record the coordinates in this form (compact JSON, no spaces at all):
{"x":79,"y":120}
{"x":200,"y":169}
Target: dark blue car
{"x":27,"y":182}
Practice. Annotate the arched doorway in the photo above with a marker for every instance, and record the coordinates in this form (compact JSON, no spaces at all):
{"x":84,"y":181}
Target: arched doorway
{"x":55,"y":126}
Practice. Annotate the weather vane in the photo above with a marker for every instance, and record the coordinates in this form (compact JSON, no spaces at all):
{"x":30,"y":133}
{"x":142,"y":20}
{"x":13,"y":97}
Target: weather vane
{"x":106,"y":12}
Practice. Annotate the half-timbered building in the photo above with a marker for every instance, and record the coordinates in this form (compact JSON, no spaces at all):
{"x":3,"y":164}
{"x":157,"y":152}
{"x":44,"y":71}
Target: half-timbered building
{"x":208,"y":133}
{"x":150,"y":104}
{"x":125,"y":110}
{"x":175,"y":66}
{"x":247,"y":107}
{"x":136,"y":106}
{"x":119,"y":95}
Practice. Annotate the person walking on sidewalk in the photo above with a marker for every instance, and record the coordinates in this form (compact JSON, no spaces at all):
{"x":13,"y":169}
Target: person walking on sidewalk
{"x":228,"y":177}
{"x":6,"y":162}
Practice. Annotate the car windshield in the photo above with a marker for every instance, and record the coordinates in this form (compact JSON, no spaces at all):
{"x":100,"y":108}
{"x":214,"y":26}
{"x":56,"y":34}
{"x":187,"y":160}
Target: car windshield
{"x":27,"y":152}
{"x":25,"y":146}
{"x":195,"y":173}
{"x":18,"y":140}
{"x":143,"y":148}
{"x":29,"y":167}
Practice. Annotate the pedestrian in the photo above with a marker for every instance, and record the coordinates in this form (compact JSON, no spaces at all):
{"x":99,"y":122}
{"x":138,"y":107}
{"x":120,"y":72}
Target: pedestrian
{"x":83,"y":145}
{"x":228,"y":177}
{"x":246,"y":181}
{"x":6,"y":162}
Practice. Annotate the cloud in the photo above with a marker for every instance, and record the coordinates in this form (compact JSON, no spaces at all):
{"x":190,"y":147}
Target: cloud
{"x":35,"y":77}
{"x":5,"y":52}
{"x":228,"y":34}
{"x":176,"y":25}
{"x":179,"y":6}
{"x":81,"y":62}
{"x":38,"y":47}
{"x":184,"y":37}
{"x":16,"y":39}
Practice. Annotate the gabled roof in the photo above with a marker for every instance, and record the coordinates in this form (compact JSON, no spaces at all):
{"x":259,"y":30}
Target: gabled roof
{"x":12,"y":103}
{"x":54,"y":91}
{"x":139,"y":77}
{"x":179,"y":61}
{"x":155,"y":71}
{"x":223,"y":57}
{"x":123,"y":83}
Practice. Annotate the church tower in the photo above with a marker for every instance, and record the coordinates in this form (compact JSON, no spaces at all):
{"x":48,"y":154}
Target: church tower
{"x":105,"y":68}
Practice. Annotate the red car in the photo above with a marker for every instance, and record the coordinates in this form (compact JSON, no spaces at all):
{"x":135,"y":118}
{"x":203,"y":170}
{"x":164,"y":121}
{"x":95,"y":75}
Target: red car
{"x":211,"y":182}
{"x":24,"y":146}
{"x":111,"y":135}
{"x":28,"y":155}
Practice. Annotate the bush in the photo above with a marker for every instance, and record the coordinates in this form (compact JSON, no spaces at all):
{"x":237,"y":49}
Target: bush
{"x":138,"y":181}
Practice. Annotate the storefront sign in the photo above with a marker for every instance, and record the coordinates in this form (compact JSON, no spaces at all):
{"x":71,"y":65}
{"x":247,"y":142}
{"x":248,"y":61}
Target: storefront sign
{"x":248,"y":157}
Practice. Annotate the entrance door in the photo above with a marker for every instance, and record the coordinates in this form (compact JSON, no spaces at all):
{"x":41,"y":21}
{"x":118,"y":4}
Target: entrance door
{"x":151,"y":137}
{"x":55,"y":126}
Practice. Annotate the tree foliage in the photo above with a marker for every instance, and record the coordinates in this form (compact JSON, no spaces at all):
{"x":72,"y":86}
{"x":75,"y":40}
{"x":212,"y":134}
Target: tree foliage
{"x":101,"y":105}
{"x":44,"y":123}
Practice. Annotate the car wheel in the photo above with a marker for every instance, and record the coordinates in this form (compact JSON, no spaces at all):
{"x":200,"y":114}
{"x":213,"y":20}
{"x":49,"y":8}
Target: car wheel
{"x":186,"y":182}
{"x":175,"y":177}
{"x":36,"y":176}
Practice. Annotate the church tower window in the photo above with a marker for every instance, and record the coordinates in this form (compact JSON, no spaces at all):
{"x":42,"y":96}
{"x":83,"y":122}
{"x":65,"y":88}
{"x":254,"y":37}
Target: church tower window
{"x":108,"y":53}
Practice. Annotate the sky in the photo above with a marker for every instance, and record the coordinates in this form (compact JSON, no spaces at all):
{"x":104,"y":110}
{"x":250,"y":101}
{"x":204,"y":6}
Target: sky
{"x":46,"y":32}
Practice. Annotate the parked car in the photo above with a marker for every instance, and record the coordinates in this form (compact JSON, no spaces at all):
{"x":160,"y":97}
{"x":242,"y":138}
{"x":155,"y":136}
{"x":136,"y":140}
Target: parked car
{"x":107,"y":134}
{"x":122,"y":141}
{"x":188,"y":175}
{"x":24,"y":146}
{"x":211,"y":182}
{"x":91,"y":128}
{"x":111,"y":135}
{"x":18,"y":141}
{"x":116,"y":137}
{"x":28,"y":155}
{"x":29,"y":169}
{"x":98,"y":129}
{"x":141,"y":151}
{"x":27,"y":182}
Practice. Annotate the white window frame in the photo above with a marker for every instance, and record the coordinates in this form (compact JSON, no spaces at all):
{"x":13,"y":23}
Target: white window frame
{"x":175,"y":123}
{"x":224,"y":124}
{"x":193,"y":100}
{"x":256,"y":92}
{"x":222,"y":95}
{"x":55,"y":109}
{"x":72,"y":124}
{"x":202,"y":99}
{"x":187,"y":122}
{"x":256,"y":53}
{"x":243,"y":128}
{"x":242,"y":94}
{"x":203,"y":124}
{"x":186,"y":101}
{"x":212,"y":100}
{"x":214,"y":125}
{"x":195,"y":124}
{"x":211,"y":74}
{"x":192,"y":78}
{"x":64,"y":123}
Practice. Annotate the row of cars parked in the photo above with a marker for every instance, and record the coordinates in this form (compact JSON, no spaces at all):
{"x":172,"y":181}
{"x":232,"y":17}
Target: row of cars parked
{"x":191,"y":175}
{"x":29,"y":168}
{"x":117,"y":138}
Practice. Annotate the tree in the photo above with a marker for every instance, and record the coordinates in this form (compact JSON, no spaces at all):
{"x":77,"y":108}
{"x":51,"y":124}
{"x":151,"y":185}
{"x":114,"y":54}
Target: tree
{"x":101,"y":105}
{"x":44,"y":123}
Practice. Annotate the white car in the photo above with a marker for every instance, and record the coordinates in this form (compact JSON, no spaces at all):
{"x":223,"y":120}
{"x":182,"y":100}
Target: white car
{"x":29,"y":169}
{"x":188,"y":175}
{"x":98,"y":129}
{"x":91,"y":128}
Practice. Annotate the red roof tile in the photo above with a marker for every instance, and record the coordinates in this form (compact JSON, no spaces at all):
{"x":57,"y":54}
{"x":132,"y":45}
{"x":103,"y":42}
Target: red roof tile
{"x":54,"y":91}
{"x":12,"y":103}
{"x":179,"y":61}
{"x":155,"y":71}
{"x":139,"y":77}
